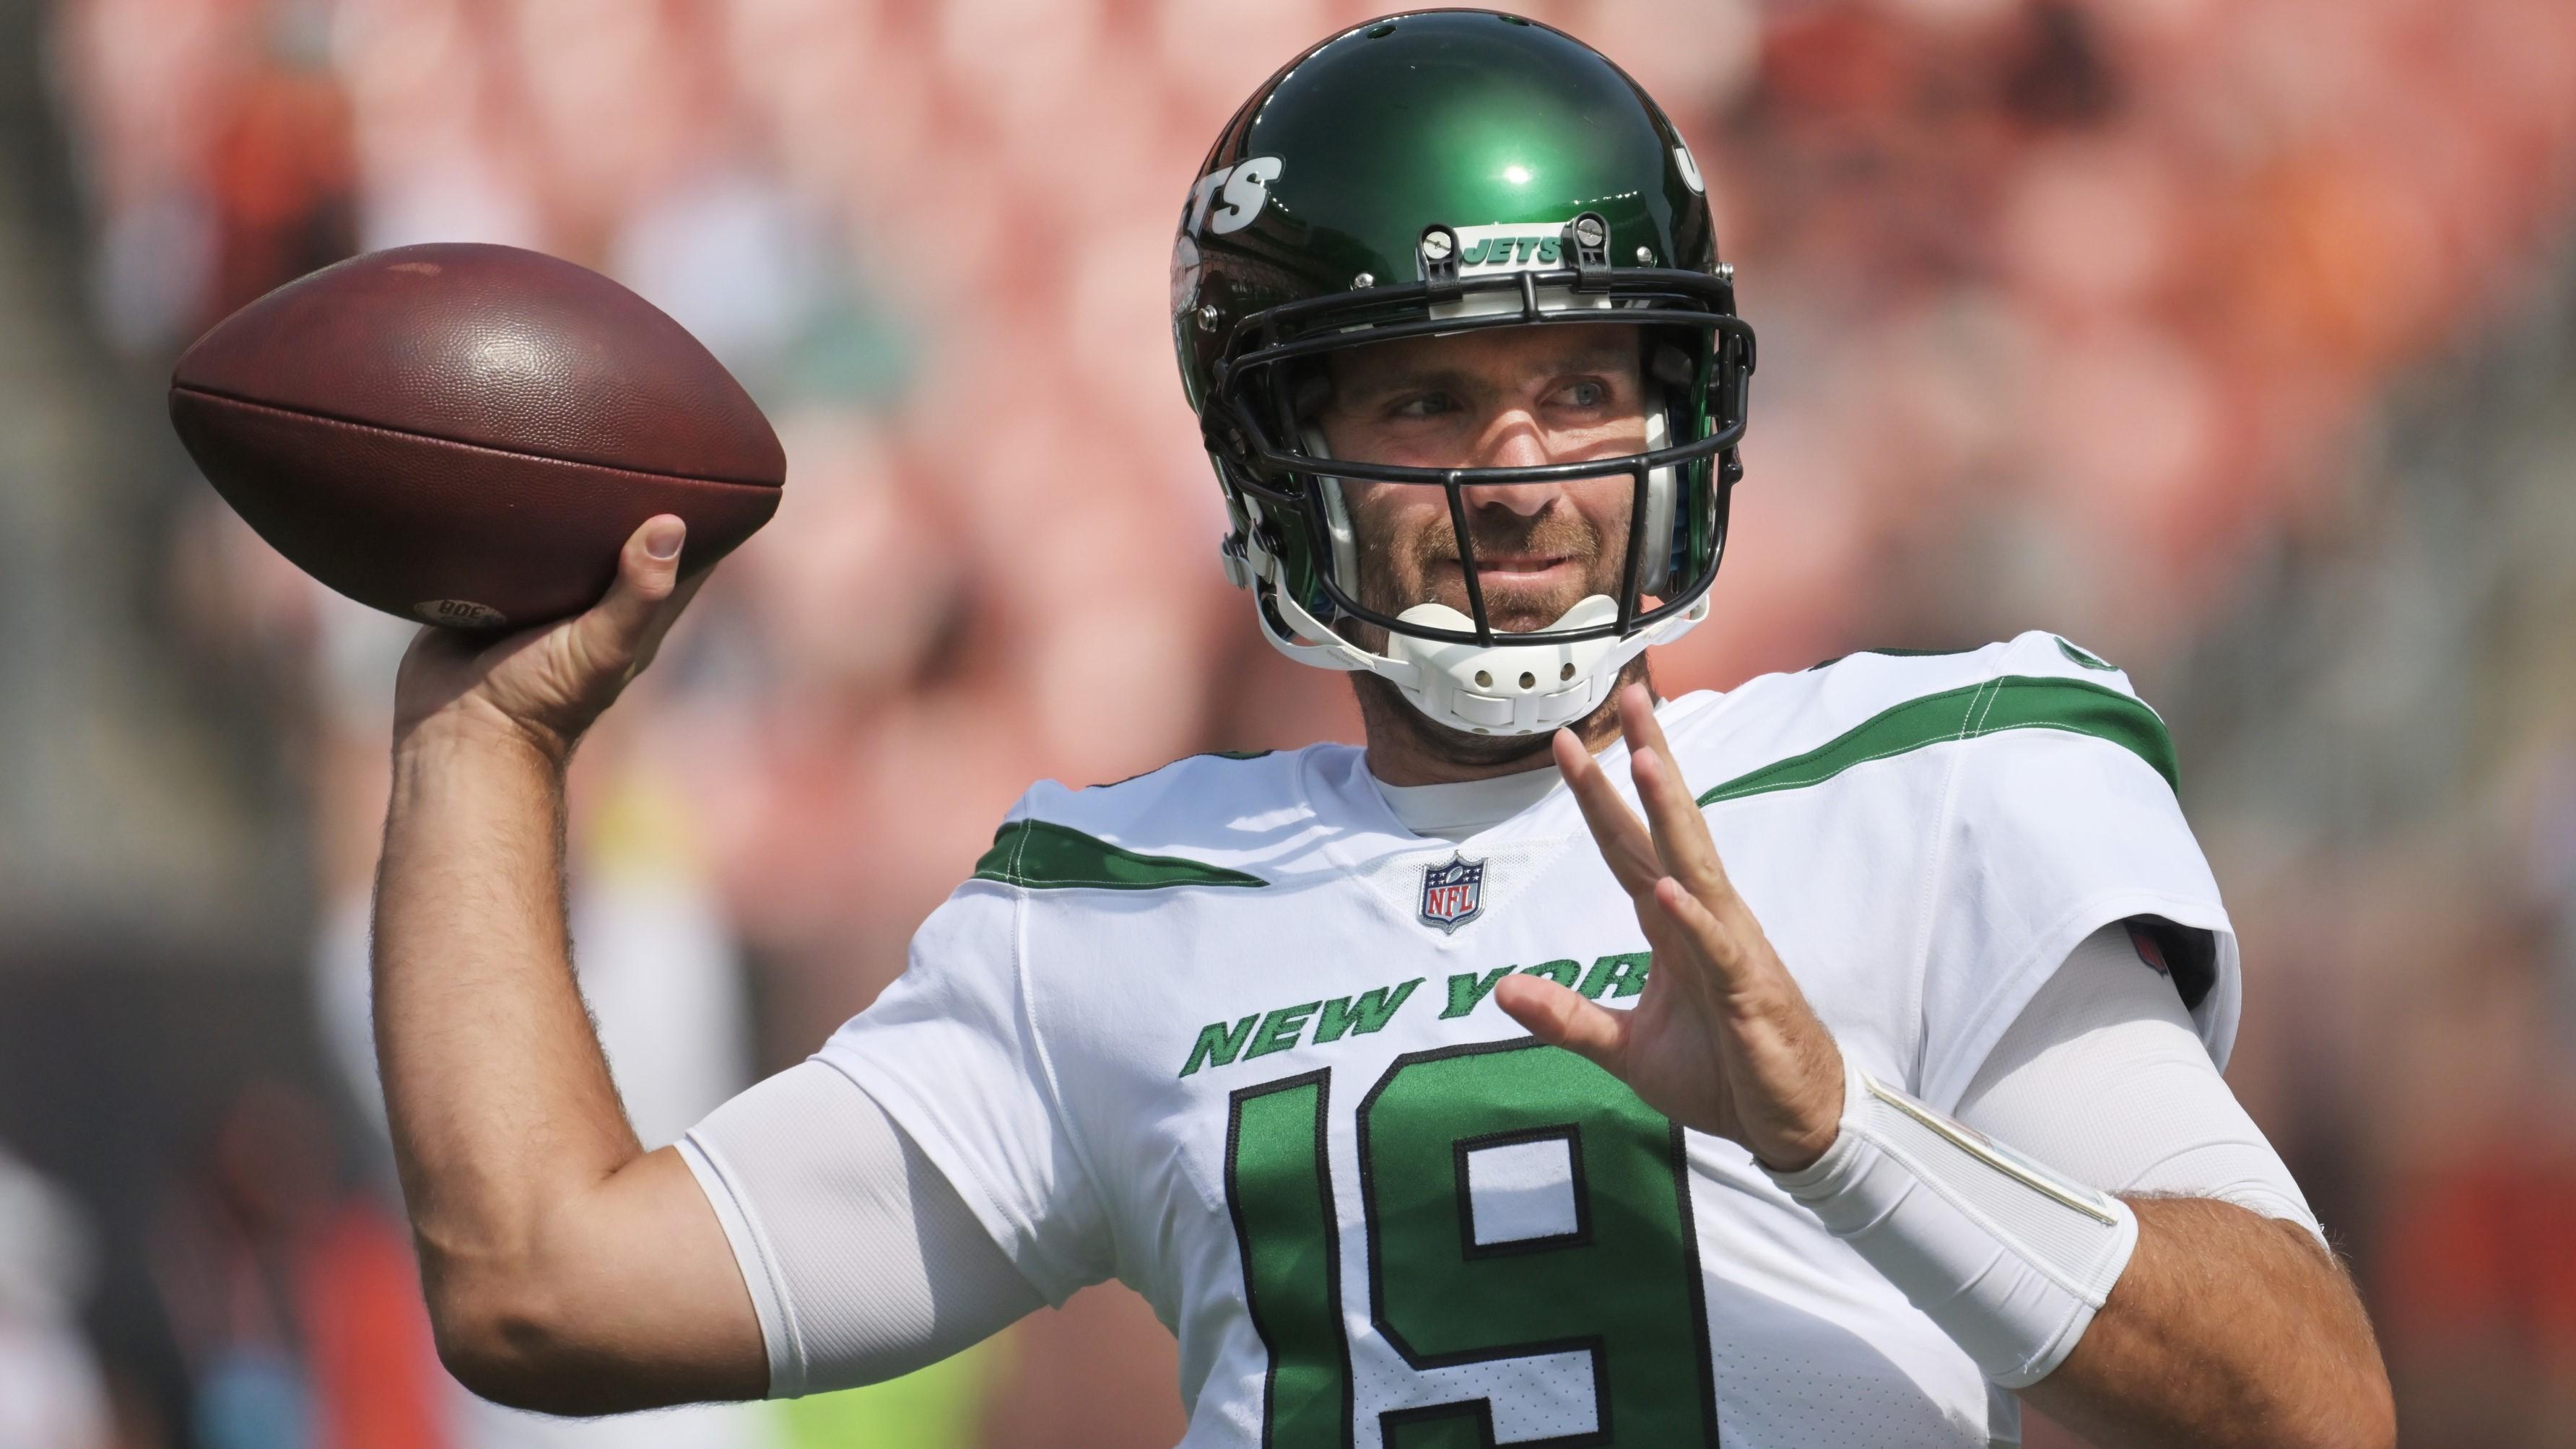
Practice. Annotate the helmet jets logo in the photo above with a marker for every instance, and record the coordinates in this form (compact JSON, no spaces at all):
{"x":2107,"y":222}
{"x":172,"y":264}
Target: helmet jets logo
{"x":1227,"y":199}
{"x":1511,"y":247}
{"x":1223,"y":202}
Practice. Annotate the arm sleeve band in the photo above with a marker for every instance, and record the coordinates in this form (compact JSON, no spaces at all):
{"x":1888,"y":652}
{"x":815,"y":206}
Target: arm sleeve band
{"x":863,"y":1262}
{"x":2009,"y":1259}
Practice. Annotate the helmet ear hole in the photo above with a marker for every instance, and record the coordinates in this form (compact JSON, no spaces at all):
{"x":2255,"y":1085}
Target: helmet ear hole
{"x":1670,"y":365}
{"x":1308,"y":395}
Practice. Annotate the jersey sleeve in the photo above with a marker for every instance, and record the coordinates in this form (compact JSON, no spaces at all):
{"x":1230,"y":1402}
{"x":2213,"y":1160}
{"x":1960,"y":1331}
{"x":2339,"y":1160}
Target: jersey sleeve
{"x":951,"y":1051}
{"x":2060,"y":818}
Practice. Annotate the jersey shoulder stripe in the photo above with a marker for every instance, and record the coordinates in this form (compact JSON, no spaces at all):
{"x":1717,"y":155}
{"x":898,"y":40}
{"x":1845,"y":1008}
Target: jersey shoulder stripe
{"x":2007,"y":702}
{"x":1042,"y":855}
{"x":1224,"y":820}
{"x":1878,"y":704}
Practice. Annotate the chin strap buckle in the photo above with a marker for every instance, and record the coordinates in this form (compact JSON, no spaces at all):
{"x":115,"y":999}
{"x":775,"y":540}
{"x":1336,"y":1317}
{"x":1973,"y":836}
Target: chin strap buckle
{"x":1230,"y":552}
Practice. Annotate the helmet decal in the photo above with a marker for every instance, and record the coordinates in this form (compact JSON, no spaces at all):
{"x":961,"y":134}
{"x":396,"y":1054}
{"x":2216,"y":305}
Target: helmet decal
{"x":1237,"y":192}
{"x":1512,"y":247}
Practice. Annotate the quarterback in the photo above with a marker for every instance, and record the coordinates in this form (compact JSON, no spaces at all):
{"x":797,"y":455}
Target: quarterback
{"x":1829,"y":1062}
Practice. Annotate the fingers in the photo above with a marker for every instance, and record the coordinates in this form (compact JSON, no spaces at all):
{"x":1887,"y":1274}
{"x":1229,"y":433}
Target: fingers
{"x":1624,"y":842}
{"x":1706,"y":937}
{"x":1679,"y":831}
{"x":620,"y":629}
{"x":1564,"y":1018}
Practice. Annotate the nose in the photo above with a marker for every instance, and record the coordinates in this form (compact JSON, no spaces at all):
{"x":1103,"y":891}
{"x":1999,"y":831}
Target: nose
{"x":1513,"y":440}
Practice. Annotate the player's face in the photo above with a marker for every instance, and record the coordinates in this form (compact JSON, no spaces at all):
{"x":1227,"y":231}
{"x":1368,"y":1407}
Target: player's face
{"x":1502,"y":398}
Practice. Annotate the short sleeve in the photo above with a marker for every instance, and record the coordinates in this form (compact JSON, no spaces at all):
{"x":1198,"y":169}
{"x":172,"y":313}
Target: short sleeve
{"x":2050,"y":831}
{"x":953,"y":1055}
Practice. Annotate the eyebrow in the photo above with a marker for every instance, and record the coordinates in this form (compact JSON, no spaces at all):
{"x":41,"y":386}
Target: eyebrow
{"x":1600,"y":358}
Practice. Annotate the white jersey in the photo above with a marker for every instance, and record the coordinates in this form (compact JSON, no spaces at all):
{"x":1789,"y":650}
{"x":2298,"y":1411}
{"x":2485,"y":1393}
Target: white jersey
{"x":1225,"y":1032}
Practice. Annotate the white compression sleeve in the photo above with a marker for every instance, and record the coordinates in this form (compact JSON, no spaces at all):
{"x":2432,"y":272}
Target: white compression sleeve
{"x":863,"y":1262}
{"x":2101,"y":1073}
{"x":2103,"y":1078}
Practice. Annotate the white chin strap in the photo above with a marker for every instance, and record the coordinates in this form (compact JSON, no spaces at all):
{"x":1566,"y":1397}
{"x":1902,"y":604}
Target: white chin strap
{"x":1509,"y":689}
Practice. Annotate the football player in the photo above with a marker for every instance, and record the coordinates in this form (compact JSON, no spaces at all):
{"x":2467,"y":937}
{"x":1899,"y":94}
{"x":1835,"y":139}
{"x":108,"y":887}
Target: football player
{"x":1833,"y":1061}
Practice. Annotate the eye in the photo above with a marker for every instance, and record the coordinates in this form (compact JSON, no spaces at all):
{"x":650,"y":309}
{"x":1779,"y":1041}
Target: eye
{"x":1589,"y":393}
{"x":1422,"y":405}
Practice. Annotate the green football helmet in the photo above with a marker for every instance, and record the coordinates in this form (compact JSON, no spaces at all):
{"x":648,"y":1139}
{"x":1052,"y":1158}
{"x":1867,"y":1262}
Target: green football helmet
{"x":1435,"y":173}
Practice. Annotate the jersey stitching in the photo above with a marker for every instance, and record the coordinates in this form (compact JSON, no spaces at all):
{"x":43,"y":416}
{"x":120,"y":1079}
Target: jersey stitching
{"x":1992,"y":695}
{"x":1046,"y":1065}
{"x":1020,"y":878}
{"x":1017,"y":876}
{"x":1976,"y":722}
{"x":1937,"y":865}
{"x":1964,"y":735}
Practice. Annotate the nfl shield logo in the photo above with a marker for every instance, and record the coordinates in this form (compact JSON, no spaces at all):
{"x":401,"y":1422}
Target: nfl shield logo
{"x":1453,"y":894}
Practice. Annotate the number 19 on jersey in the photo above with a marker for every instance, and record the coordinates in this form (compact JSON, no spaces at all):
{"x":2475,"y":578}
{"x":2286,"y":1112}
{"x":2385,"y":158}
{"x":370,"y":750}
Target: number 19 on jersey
{"x":1517,"y":1202}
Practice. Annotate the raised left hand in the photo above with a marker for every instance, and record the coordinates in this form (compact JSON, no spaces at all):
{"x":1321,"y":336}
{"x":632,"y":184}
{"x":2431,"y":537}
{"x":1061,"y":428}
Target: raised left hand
{"x":1722,"y":1040}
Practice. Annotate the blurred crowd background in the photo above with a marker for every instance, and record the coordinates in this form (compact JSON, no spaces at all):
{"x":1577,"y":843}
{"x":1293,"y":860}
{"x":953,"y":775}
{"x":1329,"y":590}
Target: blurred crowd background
{"x":2234,"y":339}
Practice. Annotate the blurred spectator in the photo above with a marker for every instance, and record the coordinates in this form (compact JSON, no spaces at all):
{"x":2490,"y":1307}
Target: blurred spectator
{"x":295,"y":1303}
{"x":51,"y":1393}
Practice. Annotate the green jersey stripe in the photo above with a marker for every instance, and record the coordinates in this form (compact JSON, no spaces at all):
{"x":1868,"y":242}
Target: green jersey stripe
{"x":2011,"y":702}
{"x":1042,"y":855}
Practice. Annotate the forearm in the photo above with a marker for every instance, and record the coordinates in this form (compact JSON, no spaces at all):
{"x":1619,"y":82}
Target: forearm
{"x":499,"y":1098}
{"x":2226,"y":1328}
{"x":2153,"y":1321}
{"x":566,"y":1269}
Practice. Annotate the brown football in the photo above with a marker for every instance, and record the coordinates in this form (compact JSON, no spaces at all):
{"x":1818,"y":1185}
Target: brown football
{"x":466,"y":434}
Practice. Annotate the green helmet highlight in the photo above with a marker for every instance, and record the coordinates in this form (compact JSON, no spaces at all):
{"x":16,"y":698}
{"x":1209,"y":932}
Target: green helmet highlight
{"x":1434,"y":173}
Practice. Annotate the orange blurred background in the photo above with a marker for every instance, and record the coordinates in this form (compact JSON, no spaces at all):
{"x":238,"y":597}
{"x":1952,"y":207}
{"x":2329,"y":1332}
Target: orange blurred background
{"x":2234,"y":339}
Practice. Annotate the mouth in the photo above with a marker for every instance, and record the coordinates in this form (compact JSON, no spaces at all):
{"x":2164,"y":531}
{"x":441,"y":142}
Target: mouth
{"x":1515,"y":569}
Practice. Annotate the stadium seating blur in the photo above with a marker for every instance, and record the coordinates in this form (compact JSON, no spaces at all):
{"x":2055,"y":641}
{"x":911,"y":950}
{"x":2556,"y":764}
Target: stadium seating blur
{"x":2229,"y":338}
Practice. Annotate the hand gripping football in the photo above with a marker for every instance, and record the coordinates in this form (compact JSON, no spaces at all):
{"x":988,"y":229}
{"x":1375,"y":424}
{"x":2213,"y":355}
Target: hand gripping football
{"x":466,"y":434}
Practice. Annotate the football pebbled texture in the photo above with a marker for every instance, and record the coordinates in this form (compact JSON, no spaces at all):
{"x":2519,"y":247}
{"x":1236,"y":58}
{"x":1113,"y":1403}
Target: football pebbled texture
{"x":466,"y":434}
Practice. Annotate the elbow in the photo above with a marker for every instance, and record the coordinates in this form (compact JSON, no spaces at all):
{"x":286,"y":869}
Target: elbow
{"x":2358,"y":1426}
{"x":494,"y":1348}
{"x":509,"y":1345}
{"x":2361,"y":1414}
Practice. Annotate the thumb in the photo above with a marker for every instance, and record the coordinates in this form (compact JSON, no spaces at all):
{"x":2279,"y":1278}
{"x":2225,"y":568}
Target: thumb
{"x":1564,"y":1018}
{"x":613,"y":633}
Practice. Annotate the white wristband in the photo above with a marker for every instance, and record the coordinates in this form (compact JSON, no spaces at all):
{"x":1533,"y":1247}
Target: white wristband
{"x":2010,"y":1259}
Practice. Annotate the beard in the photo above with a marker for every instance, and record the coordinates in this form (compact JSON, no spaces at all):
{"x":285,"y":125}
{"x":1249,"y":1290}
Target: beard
{"x":1427,"y":568}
